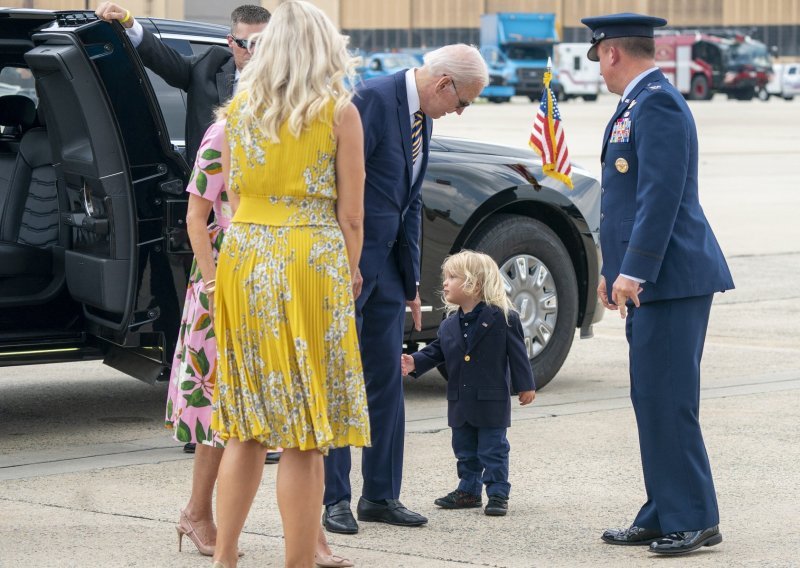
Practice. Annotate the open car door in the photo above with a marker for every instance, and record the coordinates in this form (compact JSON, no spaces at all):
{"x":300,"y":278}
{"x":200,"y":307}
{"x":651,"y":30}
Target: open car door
{"x":125,"y":263}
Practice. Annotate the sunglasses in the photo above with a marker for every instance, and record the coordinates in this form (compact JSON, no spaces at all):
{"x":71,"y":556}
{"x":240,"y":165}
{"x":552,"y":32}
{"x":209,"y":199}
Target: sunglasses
{"x":247,"y":44}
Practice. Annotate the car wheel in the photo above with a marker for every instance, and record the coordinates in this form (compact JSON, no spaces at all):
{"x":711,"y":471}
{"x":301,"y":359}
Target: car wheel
{"x":762,"y":94}
{"x":788,"y":98}
{"x":590,"y":98}
{"x":699,"y":90}
{"x":540,"y":280}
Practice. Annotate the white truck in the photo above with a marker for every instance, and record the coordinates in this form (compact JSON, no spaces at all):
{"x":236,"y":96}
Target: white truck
{"x":784,"y":82}
{"x":577,"y":76}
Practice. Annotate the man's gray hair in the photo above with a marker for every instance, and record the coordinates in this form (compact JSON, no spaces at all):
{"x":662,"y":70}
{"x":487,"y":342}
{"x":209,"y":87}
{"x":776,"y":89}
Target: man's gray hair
{"x":461,"y":62}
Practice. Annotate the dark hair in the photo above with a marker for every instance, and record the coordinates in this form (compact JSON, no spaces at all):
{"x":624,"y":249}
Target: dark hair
{"x":249,"y":14}
{"x":639,"y":47}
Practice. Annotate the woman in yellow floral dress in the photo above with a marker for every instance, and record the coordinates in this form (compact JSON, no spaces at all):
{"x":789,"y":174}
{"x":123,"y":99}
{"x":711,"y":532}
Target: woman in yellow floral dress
{"x":289,"y":364}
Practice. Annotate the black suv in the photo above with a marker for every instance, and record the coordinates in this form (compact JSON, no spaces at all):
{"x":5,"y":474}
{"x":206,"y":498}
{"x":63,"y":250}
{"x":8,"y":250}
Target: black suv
{"x":93,"y":245}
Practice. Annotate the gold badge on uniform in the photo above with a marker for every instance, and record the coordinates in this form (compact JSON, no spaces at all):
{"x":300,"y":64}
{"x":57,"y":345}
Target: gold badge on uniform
{"x":622,"y":165}
{"x":466,"y":358}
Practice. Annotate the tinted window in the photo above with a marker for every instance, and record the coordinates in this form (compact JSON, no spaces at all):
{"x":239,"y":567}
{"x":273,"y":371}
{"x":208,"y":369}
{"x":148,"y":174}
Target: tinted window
{"x":171,"y":100}
{"x":17,"y":81}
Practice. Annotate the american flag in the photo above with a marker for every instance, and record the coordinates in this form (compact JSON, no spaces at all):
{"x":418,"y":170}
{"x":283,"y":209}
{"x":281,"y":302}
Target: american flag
{"x":547,"y":137}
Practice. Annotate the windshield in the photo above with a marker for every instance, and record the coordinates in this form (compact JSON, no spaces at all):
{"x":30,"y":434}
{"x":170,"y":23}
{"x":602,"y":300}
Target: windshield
{"x":536,"y":52}
{"x":400,"y":61}
{"x":749,"y":54}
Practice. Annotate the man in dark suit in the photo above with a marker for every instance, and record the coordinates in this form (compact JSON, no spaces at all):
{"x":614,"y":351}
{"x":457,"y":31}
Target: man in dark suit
{"x":664,"y":265}
{"x":209,"y":79}
{"x":396,"y":112}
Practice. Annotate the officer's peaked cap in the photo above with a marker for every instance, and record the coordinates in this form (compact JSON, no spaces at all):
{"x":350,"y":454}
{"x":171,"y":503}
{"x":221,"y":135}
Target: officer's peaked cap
{"x":620,"y":25}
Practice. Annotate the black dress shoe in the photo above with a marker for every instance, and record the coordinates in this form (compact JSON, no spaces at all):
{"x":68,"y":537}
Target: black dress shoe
{"x":631,"y":536}
{"x":338,"y":518}
{"x":458,"y":500}
{"x":682,"y":542}
{"x":390,"y":511}
{"x":497,"y":506}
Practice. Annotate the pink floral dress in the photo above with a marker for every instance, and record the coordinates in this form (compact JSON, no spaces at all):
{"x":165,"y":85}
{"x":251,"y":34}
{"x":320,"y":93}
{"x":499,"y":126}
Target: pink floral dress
{"x":194,"y":367}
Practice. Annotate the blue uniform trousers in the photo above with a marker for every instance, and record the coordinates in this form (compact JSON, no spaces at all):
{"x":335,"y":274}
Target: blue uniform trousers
{"x":482,"y":455}
{"x":666,"y":344}
{"x":380,"y":316}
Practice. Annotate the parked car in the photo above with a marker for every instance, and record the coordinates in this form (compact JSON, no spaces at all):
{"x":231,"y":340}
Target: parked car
{"x":784,"y":82}
{"x":93,"y":246}
{"x":380,"y":64}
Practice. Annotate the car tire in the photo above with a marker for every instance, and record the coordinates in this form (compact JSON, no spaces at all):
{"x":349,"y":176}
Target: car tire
{"x":516,"y":242}
{"x":762,"y":94}
{"x":590,"y":98}
{"x":788,"y":98}
{"x":699,"y":91}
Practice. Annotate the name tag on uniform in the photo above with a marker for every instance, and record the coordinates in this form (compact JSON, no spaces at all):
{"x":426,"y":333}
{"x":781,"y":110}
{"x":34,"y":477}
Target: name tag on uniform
{"x":621,"y":131}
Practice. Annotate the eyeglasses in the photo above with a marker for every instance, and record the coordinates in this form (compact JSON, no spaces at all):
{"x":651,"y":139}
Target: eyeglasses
{"x":248,"y":44}
{"x":461,"y":103}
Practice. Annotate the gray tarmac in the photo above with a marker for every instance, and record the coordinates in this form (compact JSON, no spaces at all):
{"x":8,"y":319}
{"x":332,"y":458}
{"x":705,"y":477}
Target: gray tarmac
{"x":89,"y":476}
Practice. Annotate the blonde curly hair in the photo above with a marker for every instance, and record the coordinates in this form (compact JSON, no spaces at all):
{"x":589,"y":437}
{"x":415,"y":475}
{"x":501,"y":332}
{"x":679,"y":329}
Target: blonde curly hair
{"x":482,"y":279}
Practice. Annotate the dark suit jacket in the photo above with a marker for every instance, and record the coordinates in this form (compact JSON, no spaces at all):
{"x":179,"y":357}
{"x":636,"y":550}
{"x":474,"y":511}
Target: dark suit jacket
{"x":482,"y":378}
{"x":207,"y":80}
{"x":651,"y":224}
{"x":392,"y":206}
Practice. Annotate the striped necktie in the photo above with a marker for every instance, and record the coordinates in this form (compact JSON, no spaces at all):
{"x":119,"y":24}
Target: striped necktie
{"x":416,"y":135}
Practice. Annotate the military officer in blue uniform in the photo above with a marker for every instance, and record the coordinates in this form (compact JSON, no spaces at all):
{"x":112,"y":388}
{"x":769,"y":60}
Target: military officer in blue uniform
{"x":661,"y":268}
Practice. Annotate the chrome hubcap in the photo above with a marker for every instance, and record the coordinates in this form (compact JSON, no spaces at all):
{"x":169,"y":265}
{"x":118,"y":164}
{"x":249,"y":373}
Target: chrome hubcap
{"x":530,"y":286}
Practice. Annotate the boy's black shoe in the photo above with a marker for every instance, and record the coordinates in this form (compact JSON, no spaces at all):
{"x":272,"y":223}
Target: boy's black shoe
{"x":496,"y":507}
{"x":459,"y":500}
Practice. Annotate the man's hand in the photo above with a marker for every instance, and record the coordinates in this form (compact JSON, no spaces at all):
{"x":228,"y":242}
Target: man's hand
{"x":603,"y":295}
{"x":109,"y":12}
{"x":407,"y":364}
{"x":358,"y":282}
{"x":625,"y":289}
{"x":526,"y":397}
{"x":416,"y":311}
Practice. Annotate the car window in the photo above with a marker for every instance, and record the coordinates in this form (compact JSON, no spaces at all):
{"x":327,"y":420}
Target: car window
{"x":200,"y":48}
{"x":171,"y":100}
{"x":17,"y":81}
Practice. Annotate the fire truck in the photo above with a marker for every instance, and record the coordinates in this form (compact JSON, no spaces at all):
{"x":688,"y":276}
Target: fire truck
{"x":701,"y":64}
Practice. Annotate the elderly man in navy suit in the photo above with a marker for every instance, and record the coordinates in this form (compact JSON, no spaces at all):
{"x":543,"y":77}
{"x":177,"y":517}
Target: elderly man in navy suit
{"x":396,"y":112}
{"x":664,"y":265}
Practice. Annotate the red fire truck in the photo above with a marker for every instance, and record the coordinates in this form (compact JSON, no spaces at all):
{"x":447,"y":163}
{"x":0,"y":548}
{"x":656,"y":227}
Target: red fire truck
{"x":701,"y":64}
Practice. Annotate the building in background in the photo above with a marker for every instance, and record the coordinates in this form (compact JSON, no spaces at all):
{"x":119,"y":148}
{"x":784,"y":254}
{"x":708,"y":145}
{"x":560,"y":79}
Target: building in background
{"x":375,"y":25}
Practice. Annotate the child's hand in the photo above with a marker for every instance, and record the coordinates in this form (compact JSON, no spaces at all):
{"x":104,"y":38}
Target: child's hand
{"x":526,"y":397}
{"x":407,"y":364}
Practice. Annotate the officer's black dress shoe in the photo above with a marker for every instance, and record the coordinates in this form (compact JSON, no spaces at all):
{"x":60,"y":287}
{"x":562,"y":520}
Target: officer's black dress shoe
{"x":682,"y":542}
{"x":338,"y":518}
{"x":631,"y":536}
{"x":389,"y":511}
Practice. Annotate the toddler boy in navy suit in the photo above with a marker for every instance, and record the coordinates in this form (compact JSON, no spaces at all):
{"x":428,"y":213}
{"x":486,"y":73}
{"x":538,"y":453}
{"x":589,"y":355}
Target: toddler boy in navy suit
{"x":482,"y":347}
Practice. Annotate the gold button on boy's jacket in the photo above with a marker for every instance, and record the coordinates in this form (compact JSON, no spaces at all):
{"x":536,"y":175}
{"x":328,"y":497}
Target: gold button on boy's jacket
{"x":466,"y":357}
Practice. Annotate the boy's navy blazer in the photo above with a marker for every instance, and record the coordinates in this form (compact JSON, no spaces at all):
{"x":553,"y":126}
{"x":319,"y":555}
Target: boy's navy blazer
{"x":392,"y":206}
{"x":482,"y":378}
{"x":651,"y":224}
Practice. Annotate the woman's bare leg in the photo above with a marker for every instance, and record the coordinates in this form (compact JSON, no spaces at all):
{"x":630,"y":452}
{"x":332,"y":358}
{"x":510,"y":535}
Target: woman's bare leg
{"x":239,"y":477}
{"x":300,"y":484}
{"x":204,"y":475}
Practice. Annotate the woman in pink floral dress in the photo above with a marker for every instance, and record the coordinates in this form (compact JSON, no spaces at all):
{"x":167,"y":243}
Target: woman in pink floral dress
{"x":194,"y":367}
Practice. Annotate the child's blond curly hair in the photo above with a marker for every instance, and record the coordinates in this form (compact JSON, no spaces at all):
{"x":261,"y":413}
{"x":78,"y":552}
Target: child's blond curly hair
{"x":482,"y":279}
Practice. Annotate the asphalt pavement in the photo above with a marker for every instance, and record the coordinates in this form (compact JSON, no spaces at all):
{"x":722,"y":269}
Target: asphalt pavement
{"x":89,"y":476}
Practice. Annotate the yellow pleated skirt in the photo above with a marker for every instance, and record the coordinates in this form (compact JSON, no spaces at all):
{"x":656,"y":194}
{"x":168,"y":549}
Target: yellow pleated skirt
{"x":289,"y":364}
